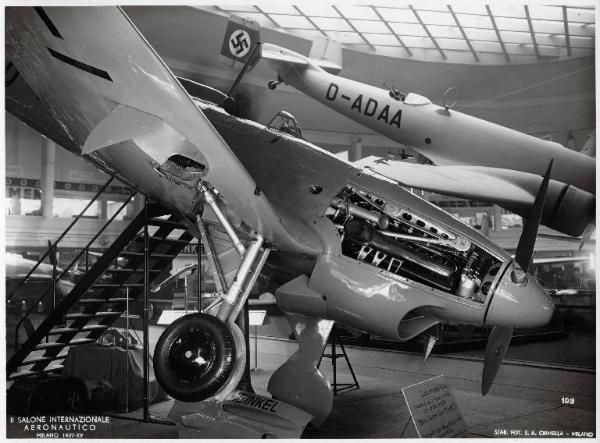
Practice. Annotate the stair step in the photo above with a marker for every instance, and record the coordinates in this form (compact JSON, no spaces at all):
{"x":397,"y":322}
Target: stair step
{"x":117,"y":285}
{"x":59,"y":331}
{"x":133,"y":271}
{"x":102,"y":300}
{"x":24,"y":374}
{"x":166,"y":223}
{"x":75,"y":315}
{"x":54,"y":344}
{"x":35,"y":360}
{"x":172,"y":241}
{"x":152,"y":255}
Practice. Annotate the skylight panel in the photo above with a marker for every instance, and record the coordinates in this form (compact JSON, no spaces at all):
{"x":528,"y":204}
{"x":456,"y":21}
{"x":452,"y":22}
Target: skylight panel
{"x":272,"y":8}
{"x":512,"y":24}
{"x":332,"y":24}
{"x":382,"y":39}
{"x":241,"y":8}
{"x":475,"y":21}
{"x":408,"y":29}
{"x":291,"y":21}
{"x":487,"y":46}
{"x":580,"y":29}
{"x":436,"y":18}
{"x":370,"y":26}
{"x":358,"y":12}
{"x":317,"y":10}
{"x":453,"y":44}
{"x":445,"y":31}
{"x":546,"y":13}
{"x":481,"y":34}
{"x":580,"y":15}
{"x":548,"y":27}
{"x":398,"y":15}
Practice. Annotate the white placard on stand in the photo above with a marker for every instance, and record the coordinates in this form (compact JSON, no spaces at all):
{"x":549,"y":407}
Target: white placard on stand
{"x":167,"y":316}
{"x":434,"y":410}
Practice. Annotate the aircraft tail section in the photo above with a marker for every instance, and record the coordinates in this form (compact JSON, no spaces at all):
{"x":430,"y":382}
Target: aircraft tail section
{"x":327,"y":53}
{"x":324,"y":54}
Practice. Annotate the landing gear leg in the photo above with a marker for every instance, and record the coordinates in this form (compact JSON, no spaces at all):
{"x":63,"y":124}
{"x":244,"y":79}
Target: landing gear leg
{"x":201,"y":356}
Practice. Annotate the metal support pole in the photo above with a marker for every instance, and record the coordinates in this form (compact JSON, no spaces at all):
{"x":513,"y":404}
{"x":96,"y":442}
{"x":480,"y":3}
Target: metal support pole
{"x":256,"y":368}
{"x":243,"y":322}
{"x":198,"y":269}
{"x":145,"y":319}
{"x":53,"y":254}
{"x":333,"y":361}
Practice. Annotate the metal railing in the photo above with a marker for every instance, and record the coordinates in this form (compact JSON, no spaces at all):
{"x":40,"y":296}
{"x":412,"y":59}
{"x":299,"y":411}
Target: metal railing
{"x":85,"y":250}
{"x":65,"y":232}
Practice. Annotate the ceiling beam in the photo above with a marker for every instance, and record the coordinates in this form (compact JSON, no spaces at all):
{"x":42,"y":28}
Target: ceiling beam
{"x":491,"y":16}
{"x":391,"y":30}
{"x":462,"y":31}
{"x":310,"y":20}
{"x":354,"y":28}
{"x":532,"y":32}
{"x":271,"y":19}
{"x":567,"y":37}
{"x":429,"y":34}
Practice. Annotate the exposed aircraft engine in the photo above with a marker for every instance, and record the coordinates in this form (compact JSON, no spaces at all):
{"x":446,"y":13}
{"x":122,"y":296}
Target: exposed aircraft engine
{"x":384,"y":235}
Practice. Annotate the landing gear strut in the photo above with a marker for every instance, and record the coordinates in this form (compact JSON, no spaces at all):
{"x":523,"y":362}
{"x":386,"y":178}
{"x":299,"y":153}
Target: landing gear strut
{"x":201,"y":356}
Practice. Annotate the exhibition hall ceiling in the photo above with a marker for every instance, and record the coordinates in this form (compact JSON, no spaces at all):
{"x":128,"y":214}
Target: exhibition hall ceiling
{"x":438,"y":31}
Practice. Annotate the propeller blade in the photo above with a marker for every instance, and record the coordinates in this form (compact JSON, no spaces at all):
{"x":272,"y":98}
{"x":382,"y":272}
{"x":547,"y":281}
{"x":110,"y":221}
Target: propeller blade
{"x":587,"y":235}
{"x":532,"y":223}
{"x":495,"y":350}
{"x":429,"y":346}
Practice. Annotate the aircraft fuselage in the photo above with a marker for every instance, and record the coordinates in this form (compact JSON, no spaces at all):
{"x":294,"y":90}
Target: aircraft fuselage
{"x":445,"y":136}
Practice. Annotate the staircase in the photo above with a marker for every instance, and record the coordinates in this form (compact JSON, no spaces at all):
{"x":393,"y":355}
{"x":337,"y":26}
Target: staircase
{"x":102,"y":294}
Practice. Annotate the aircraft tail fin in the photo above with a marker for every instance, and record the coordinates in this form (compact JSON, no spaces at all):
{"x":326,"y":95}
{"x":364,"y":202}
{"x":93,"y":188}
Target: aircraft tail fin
{"x":327,"y":53}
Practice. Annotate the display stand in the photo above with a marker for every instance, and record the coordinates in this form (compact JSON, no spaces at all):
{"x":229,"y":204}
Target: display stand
{"x":334,"y":355}
{"x":257,"y":318}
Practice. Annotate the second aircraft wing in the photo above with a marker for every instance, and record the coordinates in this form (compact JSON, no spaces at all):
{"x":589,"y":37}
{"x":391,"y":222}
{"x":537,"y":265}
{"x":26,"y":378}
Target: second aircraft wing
{"x":567,"y":209}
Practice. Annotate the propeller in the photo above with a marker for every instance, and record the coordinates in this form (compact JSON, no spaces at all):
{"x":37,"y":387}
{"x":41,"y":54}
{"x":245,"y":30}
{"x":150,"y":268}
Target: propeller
{"x":500,"y":337}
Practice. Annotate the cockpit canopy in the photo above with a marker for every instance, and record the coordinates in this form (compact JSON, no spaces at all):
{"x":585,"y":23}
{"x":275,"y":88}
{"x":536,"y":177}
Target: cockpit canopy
{"x":285,"y":122}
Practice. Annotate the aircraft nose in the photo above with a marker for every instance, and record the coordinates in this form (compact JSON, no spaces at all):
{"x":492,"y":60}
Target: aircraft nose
{"x":519,"y":301}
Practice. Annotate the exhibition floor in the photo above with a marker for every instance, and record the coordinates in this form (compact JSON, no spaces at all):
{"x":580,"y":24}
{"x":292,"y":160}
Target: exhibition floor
{"x":523,"y":398}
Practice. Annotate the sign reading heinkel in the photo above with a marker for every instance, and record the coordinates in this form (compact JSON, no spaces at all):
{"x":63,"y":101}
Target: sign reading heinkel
{"x":434,"y":410}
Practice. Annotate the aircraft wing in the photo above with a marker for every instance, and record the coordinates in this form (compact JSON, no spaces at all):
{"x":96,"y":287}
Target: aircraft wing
{"x":105,"y":87}
{"x":567,"y":209}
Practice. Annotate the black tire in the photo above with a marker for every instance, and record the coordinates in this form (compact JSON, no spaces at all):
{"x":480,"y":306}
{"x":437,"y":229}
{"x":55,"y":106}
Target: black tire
{"x":178,"y":348}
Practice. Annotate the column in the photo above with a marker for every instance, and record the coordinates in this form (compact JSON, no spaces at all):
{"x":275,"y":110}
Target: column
{"x":47,"y":179}
{"x":355,"y":152}
{"x":497,"y":218}
{"x":103,"y":209}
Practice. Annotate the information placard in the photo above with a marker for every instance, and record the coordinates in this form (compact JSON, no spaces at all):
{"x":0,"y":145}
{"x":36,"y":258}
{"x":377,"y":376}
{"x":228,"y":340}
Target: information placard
{"x":256,"y":317}
{"x":434,"y":410}
{"x":168,"y":316}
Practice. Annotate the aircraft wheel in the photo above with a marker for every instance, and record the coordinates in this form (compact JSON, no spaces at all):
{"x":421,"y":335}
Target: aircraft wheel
{"x":194,"y":357}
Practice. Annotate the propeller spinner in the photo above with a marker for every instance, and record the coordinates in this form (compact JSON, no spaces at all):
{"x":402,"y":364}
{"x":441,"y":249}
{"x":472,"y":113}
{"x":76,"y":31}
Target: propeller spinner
{"x":500,"y":336}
